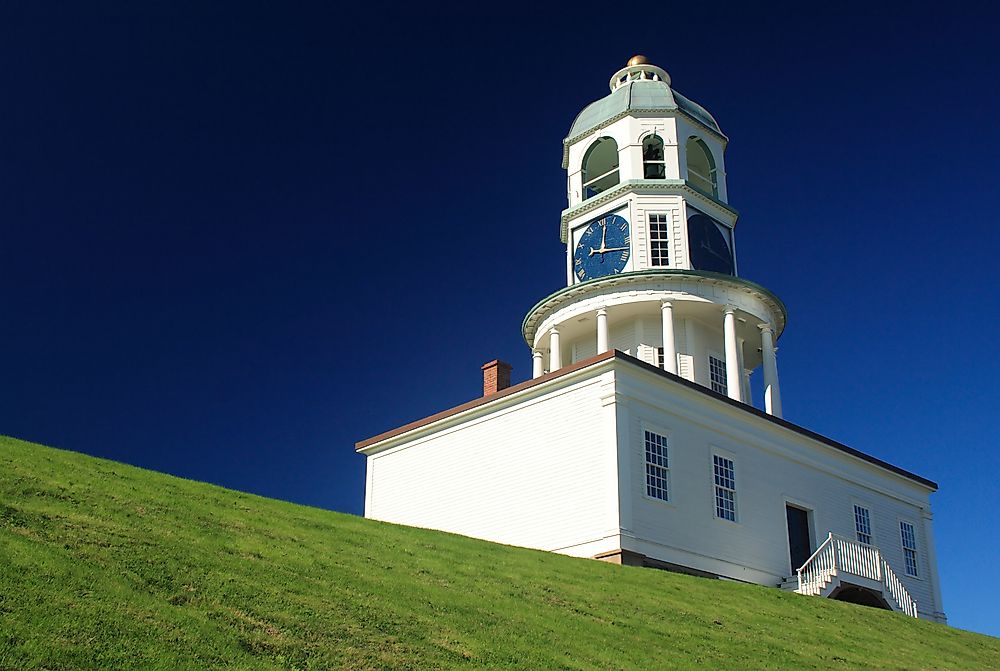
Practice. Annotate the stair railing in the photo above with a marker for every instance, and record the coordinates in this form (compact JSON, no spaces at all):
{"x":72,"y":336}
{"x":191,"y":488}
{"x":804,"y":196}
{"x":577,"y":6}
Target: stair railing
{"x":858,"y":559}
{"x":816,"y":571}
{"x":837,"y":553}
{"x":898,"y":592}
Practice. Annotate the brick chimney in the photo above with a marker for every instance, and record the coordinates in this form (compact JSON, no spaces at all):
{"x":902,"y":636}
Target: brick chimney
{"x":496,"y":376}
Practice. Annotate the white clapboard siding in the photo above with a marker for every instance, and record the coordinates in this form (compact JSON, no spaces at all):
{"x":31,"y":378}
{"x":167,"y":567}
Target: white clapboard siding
{"x":773,"y":466}
{"x":561,"y":467}
{"x":540,"y":474}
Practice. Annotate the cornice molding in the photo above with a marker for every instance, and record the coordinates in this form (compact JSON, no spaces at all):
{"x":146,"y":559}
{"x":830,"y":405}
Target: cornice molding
{"x":588,"y":369}
{"x":626,"y":281}
{"x":674,"y":187}
{"x":486,"y":404}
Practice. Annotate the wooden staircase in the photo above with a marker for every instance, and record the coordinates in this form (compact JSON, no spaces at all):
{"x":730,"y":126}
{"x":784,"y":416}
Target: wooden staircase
{"x":840,"y":561}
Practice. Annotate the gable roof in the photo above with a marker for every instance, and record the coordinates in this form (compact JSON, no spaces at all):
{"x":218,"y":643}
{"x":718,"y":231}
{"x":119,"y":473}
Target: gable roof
{"x":625,"y":358}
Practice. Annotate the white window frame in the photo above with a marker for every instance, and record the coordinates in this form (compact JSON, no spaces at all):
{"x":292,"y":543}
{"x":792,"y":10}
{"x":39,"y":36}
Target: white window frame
{"x":720,"y":454}
{"x":712,"y":178}
{"x":871,"y":525}
{"x":663,"y":149}
{"x":594,"y":180}
{"x":915,"y":549}
{"x":666,"y":222}
{"x":665,"y":434}
{"x":725,"y":380}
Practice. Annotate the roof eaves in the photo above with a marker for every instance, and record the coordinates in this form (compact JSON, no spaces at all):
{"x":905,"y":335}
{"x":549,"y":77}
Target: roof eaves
{"x":616,"y":354}
{"x":801,"y":430}
{"x":638,"y":184}
{"x":576,"y":289}
{"x":484,"y":400}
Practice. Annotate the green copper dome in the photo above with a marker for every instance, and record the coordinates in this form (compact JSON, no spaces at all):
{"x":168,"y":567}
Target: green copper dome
{"x":639,"y":88}
{"x":697,"y":111}
{"x":639,"y":96}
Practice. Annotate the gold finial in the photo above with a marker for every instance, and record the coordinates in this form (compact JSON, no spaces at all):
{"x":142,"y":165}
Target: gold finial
{"x":638,"y":59}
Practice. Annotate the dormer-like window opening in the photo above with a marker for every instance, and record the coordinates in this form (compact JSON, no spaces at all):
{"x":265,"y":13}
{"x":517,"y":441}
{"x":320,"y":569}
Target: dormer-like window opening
{"x":701,"y":167}
{"x":600,"y":167}
{"x":653,"y":164}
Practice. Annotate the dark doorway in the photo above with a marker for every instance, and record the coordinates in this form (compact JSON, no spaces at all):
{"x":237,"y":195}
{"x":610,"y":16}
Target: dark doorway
{"x":799,"y":538}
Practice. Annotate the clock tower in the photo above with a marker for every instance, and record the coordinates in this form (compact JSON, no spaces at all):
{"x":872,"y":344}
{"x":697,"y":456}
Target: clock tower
{"x":651,"y":265}
{"x":636,"y":440}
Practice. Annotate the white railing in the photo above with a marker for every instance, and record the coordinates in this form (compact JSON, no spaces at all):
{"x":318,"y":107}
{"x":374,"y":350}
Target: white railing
{"x":839,"y":554}
{"x":899,"y":593}
{"x":818,"y":570}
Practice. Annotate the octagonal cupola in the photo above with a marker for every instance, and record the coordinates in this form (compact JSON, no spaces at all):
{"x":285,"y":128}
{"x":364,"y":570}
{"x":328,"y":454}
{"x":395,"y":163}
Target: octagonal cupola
{"x":646,"y":131}
{"x":646,"y":155}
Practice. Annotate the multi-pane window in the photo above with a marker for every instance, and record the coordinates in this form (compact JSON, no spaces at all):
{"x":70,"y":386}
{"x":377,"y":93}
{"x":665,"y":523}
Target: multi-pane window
{"x":909,"y":539}
{"x":658,"y":240}
{"x":653,"y":165}
{"x":725,"y":488}
{"x":657,"y":473}
{"x":863,"y":525}
{"x":717,"y":374}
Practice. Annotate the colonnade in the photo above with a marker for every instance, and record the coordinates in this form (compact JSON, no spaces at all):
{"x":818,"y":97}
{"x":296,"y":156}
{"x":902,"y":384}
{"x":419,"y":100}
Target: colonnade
{"x":734,"y":387}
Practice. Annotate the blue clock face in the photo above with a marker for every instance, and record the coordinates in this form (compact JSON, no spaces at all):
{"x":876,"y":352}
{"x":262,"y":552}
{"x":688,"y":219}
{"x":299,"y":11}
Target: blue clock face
{"x":603,"y":248}
{"x":709,"y":247}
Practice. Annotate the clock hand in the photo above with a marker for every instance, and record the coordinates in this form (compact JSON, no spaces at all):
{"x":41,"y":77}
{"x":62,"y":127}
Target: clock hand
{"x":604,"y":233}
{"x":604,"y":250}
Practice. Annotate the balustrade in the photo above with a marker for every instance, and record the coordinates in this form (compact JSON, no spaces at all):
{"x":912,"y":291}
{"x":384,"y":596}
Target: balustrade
{"x":842,"y":555}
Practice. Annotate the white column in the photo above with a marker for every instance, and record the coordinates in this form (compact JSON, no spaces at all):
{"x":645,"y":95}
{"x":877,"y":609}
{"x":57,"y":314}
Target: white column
{"x":555,"y":355}
{"x":772,"y":394}
{"x":669,"y":345}
{"x":732,"y":355}
{"x":743,"y":379}
{"x":602,"y":331}
{"x":537,"y":367}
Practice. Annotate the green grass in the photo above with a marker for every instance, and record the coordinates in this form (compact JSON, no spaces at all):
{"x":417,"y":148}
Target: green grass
{"x":107,"y":566}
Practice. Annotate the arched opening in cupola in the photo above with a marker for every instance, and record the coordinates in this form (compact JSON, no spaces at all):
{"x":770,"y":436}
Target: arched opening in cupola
{"x":701,"y":167}
{"x":600,"y":167}
{"x":653,"y":163}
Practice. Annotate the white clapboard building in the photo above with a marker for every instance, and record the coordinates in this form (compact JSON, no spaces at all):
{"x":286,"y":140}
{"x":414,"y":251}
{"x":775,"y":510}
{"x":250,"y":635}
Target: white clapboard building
{"x":636,"y":440}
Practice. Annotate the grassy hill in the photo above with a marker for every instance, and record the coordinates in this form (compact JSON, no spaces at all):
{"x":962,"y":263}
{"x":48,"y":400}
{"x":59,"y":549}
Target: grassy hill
{"x":107,"y":566}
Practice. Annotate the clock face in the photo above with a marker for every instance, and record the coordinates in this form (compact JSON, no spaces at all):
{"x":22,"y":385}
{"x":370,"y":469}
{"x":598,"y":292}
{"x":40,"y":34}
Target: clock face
{"x":709,"y":247}
{"x":603,"y":248}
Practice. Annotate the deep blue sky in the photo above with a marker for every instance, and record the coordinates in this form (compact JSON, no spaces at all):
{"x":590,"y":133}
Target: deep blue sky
{"x":234,"y":241}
